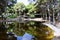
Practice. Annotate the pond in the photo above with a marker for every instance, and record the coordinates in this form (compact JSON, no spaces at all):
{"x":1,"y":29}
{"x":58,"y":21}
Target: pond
{"x":36,"y":29}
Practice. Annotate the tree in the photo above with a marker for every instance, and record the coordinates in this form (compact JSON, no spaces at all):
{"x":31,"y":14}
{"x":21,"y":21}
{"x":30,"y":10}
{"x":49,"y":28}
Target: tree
{"x":20,"y":6}
{"x":19,"y":9}
{"x":3,"y":4}
{"x":11,"y":2}
{"x":31,"y":7}
{"x":3,"y":35}
{"x":31,"y":10}
{"x":14,"y":10}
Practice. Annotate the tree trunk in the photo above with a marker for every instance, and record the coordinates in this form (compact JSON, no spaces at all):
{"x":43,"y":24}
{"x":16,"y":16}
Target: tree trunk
{"x":3,"y":35}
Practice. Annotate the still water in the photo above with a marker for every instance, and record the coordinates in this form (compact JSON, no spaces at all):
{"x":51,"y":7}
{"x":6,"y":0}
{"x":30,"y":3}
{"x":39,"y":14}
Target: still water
{"x":35,"y":29}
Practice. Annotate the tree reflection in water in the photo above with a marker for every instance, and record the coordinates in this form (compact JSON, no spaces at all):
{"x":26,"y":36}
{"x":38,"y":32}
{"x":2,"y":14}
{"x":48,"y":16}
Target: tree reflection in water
{"x":38,"y":30}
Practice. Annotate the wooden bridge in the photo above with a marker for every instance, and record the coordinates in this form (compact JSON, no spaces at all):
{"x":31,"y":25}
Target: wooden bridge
{"x":22,"y":20}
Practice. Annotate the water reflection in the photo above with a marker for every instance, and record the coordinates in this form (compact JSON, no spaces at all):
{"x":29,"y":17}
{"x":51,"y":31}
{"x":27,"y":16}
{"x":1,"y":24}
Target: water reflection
{"x":36,"y":29}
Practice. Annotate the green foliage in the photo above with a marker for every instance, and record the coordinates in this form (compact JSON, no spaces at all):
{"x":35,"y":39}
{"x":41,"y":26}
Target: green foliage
{"x":13,"y":10}
{"x":10,"y":12}
{"x":19,"y":6}
{"x":31,"y":7}
{"x":31,"y":10}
